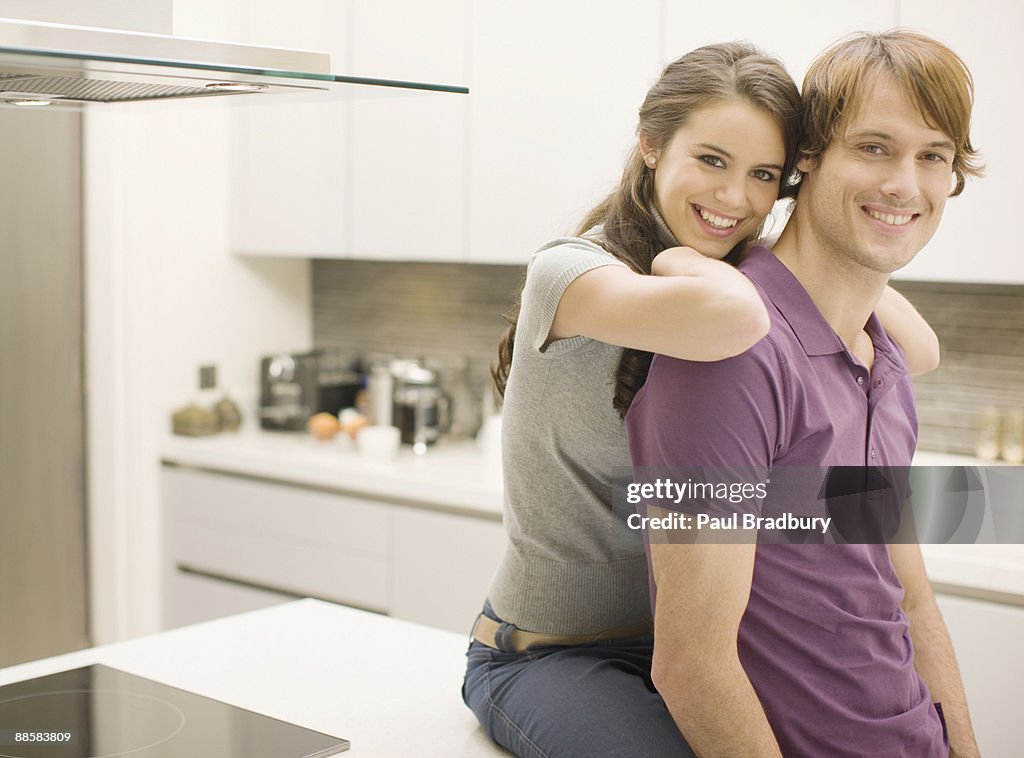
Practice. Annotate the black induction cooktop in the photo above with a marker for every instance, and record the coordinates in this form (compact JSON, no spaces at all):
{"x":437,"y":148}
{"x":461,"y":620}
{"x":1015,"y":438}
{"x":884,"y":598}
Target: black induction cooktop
{"x":100,"y":712}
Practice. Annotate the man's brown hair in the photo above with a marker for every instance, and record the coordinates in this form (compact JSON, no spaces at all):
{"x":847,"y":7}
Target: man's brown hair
{"x":935,"y":77}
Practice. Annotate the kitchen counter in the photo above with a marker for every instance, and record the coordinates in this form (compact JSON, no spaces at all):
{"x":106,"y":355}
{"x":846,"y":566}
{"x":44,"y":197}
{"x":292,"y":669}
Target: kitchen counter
{"x":987,"y":571}
{"x":389,"y":687}
{"x":451,"y":476}
{"x":458,"y":477}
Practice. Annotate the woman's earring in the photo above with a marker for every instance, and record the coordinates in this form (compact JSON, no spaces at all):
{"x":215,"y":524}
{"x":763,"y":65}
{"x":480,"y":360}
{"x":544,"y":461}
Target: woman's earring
{"x":651,"y":160}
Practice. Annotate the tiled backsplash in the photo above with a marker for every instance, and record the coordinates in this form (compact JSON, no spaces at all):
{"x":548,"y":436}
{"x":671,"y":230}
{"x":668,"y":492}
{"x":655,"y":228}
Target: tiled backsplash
{"x":448,"y":310}
{"x":441,"y":311}
{"x":981,"y":331}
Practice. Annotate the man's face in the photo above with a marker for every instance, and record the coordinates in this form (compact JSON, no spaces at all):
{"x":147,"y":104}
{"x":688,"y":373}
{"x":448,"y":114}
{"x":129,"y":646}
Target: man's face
{"x":875,"y":196}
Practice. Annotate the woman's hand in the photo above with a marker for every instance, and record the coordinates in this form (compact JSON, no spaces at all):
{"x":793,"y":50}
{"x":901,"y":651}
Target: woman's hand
{"x":910,"y":331}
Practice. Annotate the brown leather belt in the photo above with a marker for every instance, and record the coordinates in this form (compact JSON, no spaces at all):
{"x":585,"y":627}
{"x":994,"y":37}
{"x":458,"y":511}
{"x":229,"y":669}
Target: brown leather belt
{"x":485,"y":631}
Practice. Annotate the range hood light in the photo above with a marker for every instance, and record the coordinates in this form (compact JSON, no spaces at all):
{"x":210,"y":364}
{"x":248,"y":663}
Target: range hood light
{"x":29,"y":99}
{"x":235,"y":87}
{"x":29,"y":103}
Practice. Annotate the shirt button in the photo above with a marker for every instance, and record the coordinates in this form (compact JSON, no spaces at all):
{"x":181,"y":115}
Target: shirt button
{"x":874,"y":453}
{"x":860,"y":380}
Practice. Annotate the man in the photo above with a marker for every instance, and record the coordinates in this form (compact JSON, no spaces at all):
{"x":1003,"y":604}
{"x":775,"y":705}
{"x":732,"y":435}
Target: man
{"x":818,"y":649}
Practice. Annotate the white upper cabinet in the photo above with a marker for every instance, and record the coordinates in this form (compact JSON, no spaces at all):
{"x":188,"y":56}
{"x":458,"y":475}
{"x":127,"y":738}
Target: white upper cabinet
{"x":408,"y":158}
{"x":794,"y":31}
{"x":290,"y":181}
{"x":543,"y":134}
{"x":976,"y":242}
{"x":554,"y":93}
{"x":375,"y":173}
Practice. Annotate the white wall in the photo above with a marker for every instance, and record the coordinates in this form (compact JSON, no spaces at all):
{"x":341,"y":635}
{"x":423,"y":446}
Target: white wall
{"x":164,"y":295}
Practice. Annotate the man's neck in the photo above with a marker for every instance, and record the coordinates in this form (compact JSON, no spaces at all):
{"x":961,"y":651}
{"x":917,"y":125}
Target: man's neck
{"x":845,"y":292}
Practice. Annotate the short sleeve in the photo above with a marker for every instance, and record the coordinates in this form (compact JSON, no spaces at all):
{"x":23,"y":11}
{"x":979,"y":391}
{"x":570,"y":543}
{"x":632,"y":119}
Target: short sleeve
{"x":714,"y":421}
{"x":550,"y":271}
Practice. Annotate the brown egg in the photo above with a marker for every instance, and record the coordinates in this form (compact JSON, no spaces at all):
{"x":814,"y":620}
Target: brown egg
{"x":323,"y":426}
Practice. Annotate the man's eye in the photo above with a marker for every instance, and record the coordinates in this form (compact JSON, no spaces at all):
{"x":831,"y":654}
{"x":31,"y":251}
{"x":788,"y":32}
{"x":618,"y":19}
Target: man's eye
{"x":713,"y":160}
{"x":762,"y":175}
{"x":935,"y":158}
{"x":873,"y":149}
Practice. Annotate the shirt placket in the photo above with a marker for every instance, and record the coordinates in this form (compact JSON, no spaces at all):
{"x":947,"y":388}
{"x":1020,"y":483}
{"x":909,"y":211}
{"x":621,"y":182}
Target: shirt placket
{"x":876,"y":385}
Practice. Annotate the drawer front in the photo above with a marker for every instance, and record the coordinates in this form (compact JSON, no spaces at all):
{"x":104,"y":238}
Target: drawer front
{"x":284,"y":538}
{"x":190,"y":599}
{"x":284,"y":511}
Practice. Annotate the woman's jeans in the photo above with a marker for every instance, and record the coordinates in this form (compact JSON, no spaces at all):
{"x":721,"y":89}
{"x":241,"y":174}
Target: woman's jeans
{"x":572,"y":701}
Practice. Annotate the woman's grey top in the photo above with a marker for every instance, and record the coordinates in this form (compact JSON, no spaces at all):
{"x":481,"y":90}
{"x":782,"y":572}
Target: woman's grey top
{"x":572,"y":565}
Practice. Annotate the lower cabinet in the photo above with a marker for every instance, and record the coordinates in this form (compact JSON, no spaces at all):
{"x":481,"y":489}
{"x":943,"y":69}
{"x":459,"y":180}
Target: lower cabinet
{"x":987,"y":638}
{"x":190,"y":598}
{"x":234,"y":544}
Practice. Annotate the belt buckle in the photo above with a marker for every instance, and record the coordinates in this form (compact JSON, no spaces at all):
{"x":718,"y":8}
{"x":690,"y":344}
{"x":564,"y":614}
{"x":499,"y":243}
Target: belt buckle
{"x":472,"y":631}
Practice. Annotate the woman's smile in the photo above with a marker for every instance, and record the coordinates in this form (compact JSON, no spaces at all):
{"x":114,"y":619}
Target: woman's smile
{"x":715,"y":222}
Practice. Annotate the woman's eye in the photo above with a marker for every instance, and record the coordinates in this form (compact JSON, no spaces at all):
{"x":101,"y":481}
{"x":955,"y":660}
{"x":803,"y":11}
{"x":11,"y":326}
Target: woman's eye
{"x":763,"y":176}
{"x":713,"y":160}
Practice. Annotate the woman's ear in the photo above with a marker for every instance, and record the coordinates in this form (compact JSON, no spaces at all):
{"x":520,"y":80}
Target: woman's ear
{"x":647,"y":148}
{"x":806,"y":163}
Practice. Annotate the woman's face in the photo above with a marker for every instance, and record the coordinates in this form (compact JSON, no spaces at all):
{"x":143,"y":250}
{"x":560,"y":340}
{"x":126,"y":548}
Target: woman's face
{"x":718,"y":177}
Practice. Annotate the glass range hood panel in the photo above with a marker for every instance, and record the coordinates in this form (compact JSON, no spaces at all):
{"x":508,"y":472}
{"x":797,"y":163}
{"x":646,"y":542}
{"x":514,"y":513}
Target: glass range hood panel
{"x":81,"y":67}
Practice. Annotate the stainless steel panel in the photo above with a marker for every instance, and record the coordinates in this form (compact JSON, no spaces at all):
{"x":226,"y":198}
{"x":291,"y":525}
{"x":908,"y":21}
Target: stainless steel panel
{"x":43,"y":600}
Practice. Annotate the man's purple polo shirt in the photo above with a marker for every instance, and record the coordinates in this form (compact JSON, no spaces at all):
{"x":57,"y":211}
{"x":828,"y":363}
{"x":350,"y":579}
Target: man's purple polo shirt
{"x":823,"y":640}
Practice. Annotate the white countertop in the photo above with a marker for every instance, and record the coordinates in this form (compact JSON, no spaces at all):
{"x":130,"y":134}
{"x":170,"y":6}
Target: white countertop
{"x":389,"y":687}
{"x":974,"y":570}
{"x":449,"y":476}
{"x":459,"y":477}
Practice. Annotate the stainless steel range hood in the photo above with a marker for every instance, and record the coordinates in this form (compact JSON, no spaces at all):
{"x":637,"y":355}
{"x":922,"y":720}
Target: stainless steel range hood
{"x":76,"y":66}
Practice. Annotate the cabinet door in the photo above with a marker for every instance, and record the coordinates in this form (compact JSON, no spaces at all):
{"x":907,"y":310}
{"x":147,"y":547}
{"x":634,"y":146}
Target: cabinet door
{"x":290,"y":173}
{"x":555,"y":88}
{"x":193,"y":598}
{"x":794,"y":31}
{"x":987,"y":637}
{"x":976,"y":242}
{"x":408,"y":150}
{"x":277,"y":537}
{"x":442,"y":567}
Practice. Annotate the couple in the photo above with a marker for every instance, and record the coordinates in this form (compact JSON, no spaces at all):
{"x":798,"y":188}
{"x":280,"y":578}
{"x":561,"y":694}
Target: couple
{"x":799,"y":355}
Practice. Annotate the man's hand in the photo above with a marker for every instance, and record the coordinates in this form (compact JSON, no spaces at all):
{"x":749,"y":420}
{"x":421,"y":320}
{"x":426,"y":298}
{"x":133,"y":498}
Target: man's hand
{"x":933,"y":651}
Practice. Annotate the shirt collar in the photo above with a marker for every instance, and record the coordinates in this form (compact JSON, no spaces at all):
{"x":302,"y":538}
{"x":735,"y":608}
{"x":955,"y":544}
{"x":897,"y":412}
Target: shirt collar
{"x":789,"y":297}
{"x":665,"y":235}
{"x":816,"y":335}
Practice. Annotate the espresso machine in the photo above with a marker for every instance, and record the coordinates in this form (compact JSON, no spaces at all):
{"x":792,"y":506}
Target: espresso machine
{"x":294,"y":386}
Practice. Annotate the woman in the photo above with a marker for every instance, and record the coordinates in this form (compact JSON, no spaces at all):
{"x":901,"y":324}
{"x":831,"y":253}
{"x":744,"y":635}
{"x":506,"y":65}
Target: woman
{"x":560,"y":661}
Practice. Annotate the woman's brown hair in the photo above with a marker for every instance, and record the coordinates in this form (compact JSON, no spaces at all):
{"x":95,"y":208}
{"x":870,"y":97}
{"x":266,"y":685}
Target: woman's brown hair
{"x":627,"y":228}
